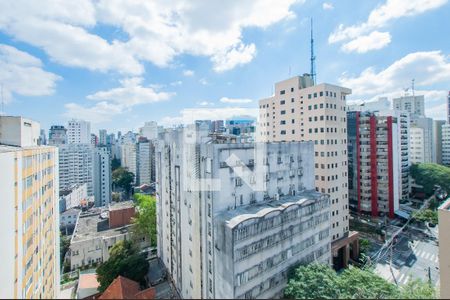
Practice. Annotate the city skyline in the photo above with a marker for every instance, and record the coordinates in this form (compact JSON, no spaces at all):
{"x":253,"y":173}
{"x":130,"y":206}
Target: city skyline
{"x":91,"y":64}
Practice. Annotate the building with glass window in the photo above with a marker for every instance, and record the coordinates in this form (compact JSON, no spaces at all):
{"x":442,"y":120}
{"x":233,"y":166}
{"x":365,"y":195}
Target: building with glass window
{"x":29,"y":193}
{"x":233,"y":218}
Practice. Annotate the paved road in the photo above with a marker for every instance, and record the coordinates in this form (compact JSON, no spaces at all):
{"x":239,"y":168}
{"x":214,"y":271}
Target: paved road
{"x":414,"y":256}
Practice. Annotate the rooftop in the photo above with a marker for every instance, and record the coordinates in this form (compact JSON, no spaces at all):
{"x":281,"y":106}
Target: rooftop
{"x":124,"y":288}
{"x":121,"y":205}
{"x":70,"y":211}
{"x":260,"y":209}
{"x":94,"y":224}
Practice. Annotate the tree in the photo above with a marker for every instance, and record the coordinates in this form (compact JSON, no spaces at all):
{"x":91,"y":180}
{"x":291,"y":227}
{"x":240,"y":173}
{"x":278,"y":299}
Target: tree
{"x":124,"y":260}
{"x":312,"y":282}
{"x":123,"y":178}
{"x":426,"y":215}
{"x":145,"y":220}
{"x":417,"y":289}
{"x":64,"y":244}
{"x":355,"y":283}
{"x":429,"y":175}
{"x":321,"y":281}
{"x":115,"y":164}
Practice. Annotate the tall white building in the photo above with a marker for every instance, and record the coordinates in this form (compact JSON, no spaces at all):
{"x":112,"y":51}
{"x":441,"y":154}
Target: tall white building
{"x":145,"y":167}
{"x":128,"y":157}
{"x":416,"y":145}
{"x":233,"y":218}
{"x":437,"y":140}
{"x":29,"y":223}
{"x":422,"y":127}
{"x":102,"y":135}
{"x":415,"y":105}
{"x":102,"y":176}
{"x":446,"y":144}
{"x":78,"y":132}
{"x":75,"y":165}
{"x":302,"y":111}
{"x":149,"y":130}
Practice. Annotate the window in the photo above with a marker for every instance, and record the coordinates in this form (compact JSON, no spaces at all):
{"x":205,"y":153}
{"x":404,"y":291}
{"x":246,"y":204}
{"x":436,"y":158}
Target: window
{"x":283,"y":122}
{"x":283,"y":132}
{"x":282,"y":102}
{"x":292,"y":89}
{"x":282,"y":92}
{"x":283,"y":112}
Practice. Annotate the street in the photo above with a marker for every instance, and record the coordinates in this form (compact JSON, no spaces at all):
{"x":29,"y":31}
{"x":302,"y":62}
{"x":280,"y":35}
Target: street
{"x":414,"y":256}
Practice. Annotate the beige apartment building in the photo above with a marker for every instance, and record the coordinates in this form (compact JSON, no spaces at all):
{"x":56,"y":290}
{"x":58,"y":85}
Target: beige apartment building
{"x":29,"y":222}
{"x":302,"y":111}
{"x":444,"y":246}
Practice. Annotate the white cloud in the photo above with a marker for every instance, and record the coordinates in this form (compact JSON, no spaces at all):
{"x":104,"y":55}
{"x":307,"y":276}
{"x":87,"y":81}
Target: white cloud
{"x":362,"y":44}
{"x":233,"y":57}
{"x":188,"y":73}
{"x":234,"y":100}
{"x":99,"y":113}
{"x":203,"y":81}
{"x":381,"y":16}
{"x":327,"y":6}
{"x":427,"y":68}
{"x":152,"y":31}
{"x":176,"y":83}
{"x":22,"y":74}
{"x":116,"y":101}
{"x":189,"y":115}
{"x":205,"y":103}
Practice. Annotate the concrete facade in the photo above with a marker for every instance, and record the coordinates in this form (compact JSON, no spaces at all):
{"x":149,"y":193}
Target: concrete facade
{"x":73,"y":196}
{"x":145,"y":167}
{"x":378,"y":161}
{"x":149,"y":130}
{"x":128,"y":157}
{"x":426,"y":144}
{"x":444,"y":245}
{"x":301,"y":111}
{"x":57,"y":135}
{"x":415,"y":105}
{"x":29,"y":195}
{"x":208,"y":187}
{"x":437,"y":140}
{"x":446,"y":144}
{"x":75,"y":165}
{"x":78,"y":132}
{"x":102,"y":176}
{"x":18,"y":131}
{"x":93,"y":236}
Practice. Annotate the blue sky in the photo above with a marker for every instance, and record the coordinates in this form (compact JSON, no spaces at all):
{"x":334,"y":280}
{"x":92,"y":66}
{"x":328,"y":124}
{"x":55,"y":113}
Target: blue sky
{"x":121,"y":63}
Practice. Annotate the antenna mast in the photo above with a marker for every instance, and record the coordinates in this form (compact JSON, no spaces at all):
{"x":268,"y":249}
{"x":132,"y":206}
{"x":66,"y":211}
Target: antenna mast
{"x":412,"y":86}
{"x":313,"y":58}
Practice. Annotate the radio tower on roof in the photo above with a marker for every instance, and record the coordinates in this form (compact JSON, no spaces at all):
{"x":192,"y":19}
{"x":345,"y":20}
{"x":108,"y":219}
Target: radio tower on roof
{"x":313,"y":58}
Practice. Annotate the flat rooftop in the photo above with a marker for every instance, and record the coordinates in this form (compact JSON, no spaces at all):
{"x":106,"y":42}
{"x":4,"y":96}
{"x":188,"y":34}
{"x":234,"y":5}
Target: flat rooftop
{"x":95,"y":224}
{"x":70,"y":211}
{"x":259,"y":209}
{"x":121,"y":205}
